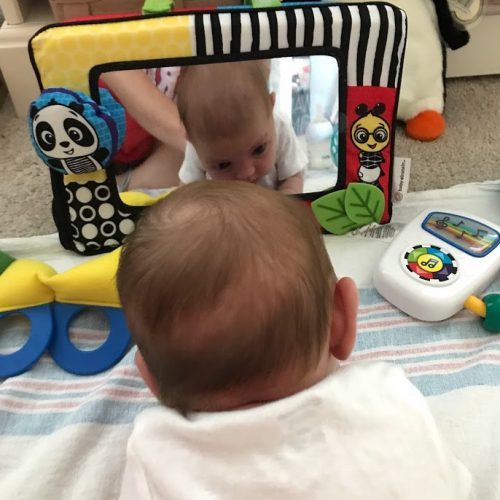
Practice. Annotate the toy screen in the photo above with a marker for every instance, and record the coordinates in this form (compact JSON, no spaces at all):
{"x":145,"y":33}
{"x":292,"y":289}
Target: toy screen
{"x":302,"y":137}
{"x":466,"y":234}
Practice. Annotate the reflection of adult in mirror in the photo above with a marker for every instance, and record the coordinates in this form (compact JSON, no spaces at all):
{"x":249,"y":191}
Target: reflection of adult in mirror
{"x":233,"y":133}
{"x":153,"y":108}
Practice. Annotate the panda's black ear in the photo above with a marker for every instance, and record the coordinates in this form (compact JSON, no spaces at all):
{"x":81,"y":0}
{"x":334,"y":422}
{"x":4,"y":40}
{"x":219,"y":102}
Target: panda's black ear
{"x":76,"y":107}
{"x":362,"y":109}
{"x":378,"y":109}
{"x":33,"y":111}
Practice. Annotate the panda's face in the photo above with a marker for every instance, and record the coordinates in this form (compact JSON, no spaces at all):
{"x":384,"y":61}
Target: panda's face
{"x":62,"y":133}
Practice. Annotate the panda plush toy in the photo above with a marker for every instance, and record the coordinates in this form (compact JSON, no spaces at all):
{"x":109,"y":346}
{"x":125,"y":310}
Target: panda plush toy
{"x":68,"y":139}
{"x":77,"y":137}
{"x":431,"y":28}
{"x":74,"y":135}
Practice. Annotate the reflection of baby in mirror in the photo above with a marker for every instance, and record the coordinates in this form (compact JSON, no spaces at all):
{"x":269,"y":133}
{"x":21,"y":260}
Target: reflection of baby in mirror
{"x":232,"y":130}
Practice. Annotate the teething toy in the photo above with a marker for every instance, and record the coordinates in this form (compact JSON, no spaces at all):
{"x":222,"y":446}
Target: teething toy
{"x":50,"y":301}
{"x":22,"y":291}
{"x":342,"y":211}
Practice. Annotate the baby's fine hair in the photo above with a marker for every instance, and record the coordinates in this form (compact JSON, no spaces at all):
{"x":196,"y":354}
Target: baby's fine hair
{"x":217,"y":101}
{"x":225,"y":283}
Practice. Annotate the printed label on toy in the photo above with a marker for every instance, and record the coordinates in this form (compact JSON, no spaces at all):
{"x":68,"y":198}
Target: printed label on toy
{"x":468,"y":235}
{"x":400,"y":178}
{"x":430,"y":264}
{"x":378,"y":232}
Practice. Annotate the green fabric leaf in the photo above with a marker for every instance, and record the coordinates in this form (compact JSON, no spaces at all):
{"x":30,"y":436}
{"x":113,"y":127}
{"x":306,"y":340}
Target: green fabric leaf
{"x":330,"y":212}
{"x":364,"y":203}
{"x":5,"y":261}
{"x":263,"y":3}
{"x":152,"y":7}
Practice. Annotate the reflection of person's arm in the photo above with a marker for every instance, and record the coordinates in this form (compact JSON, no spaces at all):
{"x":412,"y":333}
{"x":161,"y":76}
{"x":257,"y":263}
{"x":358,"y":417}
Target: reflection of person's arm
{"x":153,"y":110}
{"x":293,"y":184}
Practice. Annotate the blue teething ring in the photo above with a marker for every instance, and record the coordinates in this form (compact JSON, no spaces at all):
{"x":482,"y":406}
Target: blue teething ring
{"x":72,"y":359}
{"x":23,"y":359}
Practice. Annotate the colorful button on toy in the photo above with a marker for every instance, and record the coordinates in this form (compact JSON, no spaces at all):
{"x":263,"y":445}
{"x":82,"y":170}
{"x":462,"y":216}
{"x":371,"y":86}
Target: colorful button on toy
{"x":431,"y":264}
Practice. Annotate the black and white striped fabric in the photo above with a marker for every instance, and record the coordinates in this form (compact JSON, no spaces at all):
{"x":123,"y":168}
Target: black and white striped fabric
{"x":372,"y":36}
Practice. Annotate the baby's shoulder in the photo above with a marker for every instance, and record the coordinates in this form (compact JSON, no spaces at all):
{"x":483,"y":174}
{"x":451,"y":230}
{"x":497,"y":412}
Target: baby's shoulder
{"x":282,"y":123}
{"x":379,"y":385}
{"x":369,"y":373}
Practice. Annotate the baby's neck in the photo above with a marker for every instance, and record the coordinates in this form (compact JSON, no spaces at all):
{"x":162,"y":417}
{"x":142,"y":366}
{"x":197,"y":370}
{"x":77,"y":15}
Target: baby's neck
{"x":273,"y":389}
{"x":308,"y":381}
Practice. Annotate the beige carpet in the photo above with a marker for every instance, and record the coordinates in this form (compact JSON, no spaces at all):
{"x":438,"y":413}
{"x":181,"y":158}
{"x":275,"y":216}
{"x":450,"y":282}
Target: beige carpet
{"x":25,"y":193}
{"x":469,"y":151}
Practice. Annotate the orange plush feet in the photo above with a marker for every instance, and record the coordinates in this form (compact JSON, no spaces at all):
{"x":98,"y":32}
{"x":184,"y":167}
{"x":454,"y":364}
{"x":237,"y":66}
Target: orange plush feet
{"x":426,"y":126}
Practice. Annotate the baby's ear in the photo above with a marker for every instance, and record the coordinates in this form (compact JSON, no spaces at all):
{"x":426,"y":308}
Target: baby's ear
{"x":146,"y":374}
{"x":344,"y":311}
{"x":272,"y":95}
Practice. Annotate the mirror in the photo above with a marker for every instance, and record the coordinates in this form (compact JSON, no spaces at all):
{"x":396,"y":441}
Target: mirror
{"x":354,"y":35}
{"x":305,"y":95}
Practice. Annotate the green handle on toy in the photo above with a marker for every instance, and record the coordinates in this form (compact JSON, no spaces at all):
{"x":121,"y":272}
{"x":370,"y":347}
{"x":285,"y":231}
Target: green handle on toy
{"x":488,"y":308}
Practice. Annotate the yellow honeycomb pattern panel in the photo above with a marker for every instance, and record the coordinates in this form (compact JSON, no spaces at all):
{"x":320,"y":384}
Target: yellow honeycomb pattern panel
{"x":64,"y":55}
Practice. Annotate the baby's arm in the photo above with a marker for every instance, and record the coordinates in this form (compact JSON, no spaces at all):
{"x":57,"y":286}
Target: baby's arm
{"x":293,"y":184}
{"x":152,"y":109}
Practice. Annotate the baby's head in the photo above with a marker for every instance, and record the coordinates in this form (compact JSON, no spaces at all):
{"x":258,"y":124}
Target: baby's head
{"x":228,"y":114}
{"x":231,"y":298}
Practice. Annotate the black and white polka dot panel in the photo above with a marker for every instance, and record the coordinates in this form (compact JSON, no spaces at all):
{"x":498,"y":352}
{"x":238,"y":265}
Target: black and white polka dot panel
{"x":96,"y":223}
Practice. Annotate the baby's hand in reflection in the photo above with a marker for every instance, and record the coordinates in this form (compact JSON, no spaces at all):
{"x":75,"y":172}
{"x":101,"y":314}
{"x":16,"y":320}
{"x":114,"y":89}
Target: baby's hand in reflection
{"x":293,"y":185}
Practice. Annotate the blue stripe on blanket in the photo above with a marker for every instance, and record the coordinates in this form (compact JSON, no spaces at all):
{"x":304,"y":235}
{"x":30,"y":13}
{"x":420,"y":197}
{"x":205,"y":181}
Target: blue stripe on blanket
{"x":438,"y":358}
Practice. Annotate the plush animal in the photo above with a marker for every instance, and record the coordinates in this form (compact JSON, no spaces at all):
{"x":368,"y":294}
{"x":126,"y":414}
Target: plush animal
{"x":431,"y":28}
{"x":77,"y":137}
{"x":74,"y":135}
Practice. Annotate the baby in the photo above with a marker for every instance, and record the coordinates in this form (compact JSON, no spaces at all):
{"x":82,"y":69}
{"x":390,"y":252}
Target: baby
{"x":232,"y":132}
{"x":239,"y":321}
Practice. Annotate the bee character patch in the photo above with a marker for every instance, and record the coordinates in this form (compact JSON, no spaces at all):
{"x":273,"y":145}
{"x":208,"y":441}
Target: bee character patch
{"x":370,"y":133}
{"x":72,"y":134}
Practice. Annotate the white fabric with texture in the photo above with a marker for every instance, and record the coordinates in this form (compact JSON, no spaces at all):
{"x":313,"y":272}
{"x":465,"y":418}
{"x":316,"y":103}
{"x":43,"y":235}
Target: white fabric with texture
{"x":363,"y":432}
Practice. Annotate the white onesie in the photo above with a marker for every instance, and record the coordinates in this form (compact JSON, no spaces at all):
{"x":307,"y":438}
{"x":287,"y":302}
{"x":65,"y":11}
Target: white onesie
{"x":364,"y":432}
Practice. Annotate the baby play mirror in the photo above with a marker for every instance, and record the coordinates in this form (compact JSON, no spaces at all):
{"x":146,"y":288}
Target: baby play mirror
{"x":305,"y":94}
{"x":365,"y":42}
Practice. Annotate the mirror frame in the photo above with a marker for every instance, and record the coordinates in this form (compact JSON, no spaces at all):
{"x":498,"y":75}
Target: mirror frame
{"x":367,"y":41}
